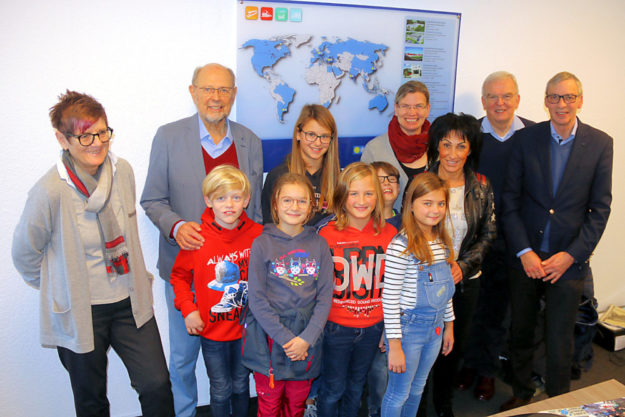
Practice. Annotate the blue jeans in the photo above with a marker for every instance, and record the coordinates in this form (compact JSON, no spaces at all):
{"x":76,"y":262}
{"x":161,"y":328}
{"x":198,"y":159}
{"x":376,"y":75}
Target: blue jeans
{"x":314,"y":388}
{"x":347,"y":356}
{"x":422,"y":330}
{"x":183,"y":353}
{"x":377,"y":380}
{"x":421,"y":344}
{"x":229,"y":379}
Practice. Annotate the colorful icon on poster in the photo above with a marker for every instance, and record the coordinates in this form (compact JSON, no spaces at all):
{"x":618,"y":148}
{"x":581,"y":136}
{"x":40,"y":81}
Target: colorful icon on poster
{"x":281,"y":14}
{"x":295,"y":15}
{"x":251,"y":13}
{"x":266,"y":13}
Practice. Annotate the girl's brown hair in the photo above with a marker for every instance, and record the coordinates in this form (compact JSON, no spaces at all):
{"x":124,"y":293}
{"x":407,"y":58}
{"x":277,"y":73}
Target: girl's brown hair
{"x":353,"y":172}
{"x":386,"y":167}
{"x":330,"y":167}
{"x":421,"y":185}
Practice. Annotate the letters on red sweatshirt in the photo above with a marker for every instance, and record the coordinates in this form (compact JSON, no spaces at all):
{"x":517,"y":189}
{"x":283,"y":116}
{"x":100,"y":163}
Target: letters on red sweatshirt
{"x":218,"y":273}
{"x":358,"y":273}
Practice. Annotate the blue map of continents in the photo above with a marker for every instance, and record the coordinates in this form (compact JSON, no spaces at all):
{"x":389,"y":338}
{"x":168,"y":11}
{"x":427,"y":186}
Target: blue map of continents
{"x":323,"y":66}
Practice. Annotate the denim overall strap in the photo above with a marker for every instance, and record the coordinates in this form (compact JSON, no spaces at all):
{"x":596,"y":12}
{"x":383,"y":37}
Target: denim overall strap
{"x":435,"y":287}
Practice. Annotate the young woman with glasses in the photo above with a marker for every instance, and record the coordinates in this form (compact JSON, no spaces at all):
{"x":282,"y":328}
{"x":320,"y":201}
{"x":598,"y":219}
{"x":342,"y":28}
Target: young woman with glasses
{"x":315,"y":154}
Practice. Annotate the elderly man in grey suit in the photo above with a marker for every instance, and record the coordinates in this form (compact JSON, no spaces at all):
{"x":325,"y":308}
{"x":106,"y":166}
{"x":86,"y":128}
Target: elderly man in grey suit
{"x":183,"y":153}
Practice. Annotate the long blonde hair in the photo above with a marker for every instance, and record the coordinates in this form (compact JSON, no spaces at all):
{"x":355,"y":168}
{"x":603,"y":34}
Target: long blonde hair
{"x":353,"y":172}
{"x":418,"y":245}
{"x":330,"y":167}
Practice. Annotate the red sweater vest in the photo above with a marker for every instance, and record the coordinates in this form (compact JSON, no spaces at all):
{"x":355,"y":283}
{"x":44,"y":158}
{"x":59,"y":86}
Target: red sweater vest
{"x":228,"y":157}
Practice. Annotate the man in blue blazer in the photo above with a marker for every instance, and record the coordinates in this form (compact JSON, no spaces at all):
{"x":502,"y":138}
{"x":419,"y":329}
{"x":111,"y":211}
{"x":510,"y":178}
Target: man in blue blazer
{"x":556,"y":202}
{"x":183,"y":152}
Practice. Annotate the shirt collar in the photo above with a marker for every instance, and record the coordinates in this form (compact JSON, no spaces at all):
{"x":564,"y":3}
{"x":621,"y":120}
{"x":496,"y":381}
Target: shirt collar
{"x":205,"y":136}
{"x":559,"y":139}
{"x":517,"y":124}
{"x":60,"y":167}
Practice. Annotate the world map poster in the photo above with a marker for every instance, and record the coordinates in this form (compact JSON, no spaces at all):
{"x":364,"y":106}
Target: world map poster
{"x":350,"y":59}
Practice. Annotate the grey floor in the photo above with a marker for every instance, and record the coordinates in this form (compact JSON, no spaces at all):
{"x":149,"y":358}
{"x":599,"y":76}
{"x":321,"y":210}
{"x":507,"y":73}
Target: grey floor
{"x":607,"y":365}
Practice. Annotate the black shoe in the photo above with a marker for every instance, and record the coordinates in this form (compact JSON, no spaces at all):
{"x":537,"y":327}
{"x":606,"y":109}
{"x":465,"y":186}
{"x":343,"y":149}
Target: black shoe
{"x":485,"y":388}
{"x":465,"y":378}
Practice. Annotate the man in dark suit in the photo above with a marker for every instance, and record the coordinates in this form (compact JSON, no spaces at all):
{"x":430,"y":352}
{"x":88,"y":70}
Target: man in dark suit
{"x":183,"y":153}
{"x":556,"y":200}
{"x":500,"y":127}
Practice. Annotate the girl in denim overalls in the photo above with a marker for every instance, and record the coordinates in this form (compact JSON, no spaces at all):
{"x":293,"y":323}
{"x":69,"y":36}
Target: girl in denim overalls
{"x":418,"y":287}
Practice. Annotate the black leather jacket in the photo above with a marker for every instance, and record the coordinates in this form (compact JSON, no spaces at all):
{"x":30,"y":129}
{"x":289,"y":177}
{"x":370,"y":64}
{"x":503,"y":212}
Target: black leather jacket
{"x":479,"y":209}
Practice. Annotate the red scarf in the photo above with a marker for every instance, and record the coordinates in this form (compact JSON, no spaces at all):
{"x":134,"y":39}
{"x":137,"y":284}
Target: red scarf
{"x":407,"y":148}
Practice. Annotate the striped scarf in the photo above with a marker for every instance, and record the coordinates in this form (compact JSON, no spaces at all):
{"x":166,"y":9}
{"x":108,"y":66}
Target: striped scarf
{"x":97,"y":190}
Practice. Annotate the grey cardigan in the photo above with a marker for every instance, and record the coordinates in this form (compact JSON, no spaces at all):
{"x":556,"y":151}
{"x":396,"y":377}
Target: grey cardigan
{"x":48,"y":253}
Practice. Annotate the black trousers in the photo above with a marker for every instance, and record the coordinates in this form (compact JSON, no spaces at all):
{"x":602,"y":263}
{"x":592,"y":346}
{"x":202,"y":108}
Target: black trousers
{"x":561,"y":303}
{"x":487,"y":337}
{"x":139,"y":349}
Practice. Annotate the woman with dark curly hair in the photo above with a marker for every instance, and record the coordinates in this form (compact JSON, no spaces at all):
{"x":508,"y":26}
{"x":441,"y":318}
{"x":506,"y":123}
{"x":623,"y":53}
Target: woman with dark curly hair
{"x":453,"y":153}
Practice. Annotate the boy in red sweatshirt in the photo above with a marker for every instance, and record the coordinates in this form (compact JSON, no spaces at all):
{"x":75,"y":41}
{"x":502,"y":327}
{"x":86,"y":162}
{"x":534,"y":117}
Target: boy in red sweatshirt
{"x":210,"y":285}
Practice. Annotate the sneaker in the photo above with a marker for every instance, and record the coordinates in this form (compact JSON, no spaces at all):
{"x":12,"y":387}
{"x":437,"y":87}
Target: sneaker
{"x":311,"y":410}
{"x":539,"y":383}
{"x":240,"y":298}
{"x":234,"y":296}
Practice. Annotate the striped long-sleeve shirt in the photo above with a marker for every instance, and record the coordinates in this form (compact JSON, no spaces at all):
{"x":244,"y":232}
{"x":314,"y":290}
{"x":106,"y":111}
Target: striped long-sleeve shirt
{"x":400,"y":284}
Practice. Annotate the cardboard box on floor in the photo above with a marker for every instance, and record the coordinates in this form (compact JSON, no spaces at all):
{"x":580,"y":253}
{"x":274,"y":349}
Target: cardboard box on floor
{"x":609,"y":335}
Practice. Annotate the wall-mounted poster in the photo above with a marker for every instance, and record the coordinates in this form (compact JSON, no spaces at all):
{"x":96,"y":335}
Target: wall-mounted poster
{"x":349,"y":58}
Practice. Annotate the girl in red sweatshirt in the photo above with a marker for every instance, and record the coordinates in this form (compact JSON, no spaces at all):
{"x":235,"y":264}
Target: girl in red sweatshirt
{"x":357,"y":239}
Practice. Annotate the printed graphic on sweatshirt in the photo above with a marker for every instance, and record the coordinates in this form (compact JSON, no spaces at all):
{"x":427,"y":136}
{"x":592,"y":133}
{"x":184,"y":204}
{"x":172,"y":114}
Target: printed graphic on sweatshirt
{"x":317,"y":198}
{"x":358,"y":277}
{"x":296,"y":267}
{"x":227,"y":281}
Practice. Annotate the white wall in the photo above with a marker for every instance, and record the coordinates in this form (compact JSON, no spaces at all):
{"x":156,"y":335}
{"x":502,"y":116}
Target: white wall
{"x":137,"y":57}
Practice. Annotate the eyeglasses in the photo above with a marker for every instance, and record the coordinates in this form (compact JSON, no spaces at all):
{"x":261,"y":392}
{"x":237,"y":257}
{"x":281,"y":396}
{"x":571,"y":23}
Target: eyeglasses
{"x":506,"y":98}
{"x":287,"y":202}
{"x":221,"y":91}
{"x":86,"y":139}
{"x":555,"y":98}
{"x":312,"y":136}
{"x":390,"y":178}
{"x":406,"y":107}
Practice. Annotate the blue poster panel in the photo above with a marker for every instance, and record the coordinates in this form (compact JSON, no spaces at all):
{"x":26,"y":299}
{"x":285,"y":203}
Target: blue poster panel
{"x":349,"y":58}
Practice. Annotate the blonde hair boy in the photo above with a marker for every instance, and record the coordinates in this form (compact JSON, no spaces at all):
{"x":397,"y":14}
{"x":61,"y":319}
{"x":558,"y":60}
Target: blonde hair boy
{"x":223,"y":179}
